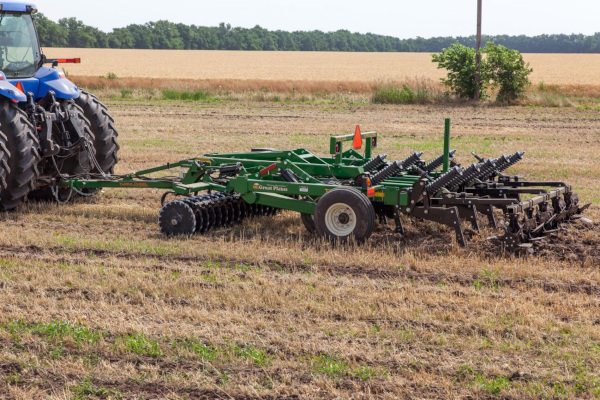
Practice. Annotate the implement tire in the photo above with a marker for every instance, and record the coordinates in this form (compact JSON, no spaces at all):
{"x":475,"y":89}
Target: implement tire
{"x":104,"y":132}
{"x":344,"y":214}
{"x":20,"y":157}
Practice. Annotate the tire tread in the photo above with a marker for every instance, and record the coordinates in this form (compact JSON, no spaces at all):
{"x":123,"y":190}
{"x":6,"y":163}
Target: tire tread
{"x":103,"y":129}
{"x":20,"y":156}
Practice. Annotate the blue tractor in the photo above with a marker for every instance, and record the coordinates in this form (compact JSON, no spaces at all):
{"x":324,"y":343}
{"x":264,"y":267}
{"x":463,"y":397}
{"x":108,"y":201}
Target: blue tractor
{"x":49,"y":128}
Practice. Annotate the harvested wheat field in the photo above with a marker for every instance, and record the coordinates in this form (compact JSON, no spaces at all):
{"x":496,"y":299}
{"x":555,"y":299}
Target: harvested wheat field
{"x":96,"y":303}
{"x":559,"y":69}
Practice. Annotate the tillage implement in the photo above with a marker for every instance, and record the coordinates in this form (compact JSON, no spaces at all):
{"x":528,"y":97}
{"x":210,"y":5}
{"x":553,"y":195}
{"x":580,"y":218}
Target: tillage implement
{"x":342,"y":196}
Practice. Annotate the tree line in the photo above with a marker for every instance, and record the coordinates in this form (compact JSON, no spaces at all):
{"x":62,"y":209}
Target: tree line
{"x":70,"y":32}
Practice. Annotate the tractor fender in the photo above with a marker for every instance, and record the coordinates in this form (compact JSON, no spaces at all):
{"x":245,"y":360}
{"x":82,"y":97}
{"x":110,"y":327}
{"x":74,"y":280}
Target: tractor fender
{"x":55,"y":80}
{"x":9,"y":91}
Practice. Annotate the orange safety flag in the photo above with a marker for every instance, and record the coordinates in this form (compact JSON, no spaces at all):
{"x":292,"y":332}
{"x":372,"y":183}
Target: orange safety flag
{"x":357,"y":142}
{"x":20,"y":87}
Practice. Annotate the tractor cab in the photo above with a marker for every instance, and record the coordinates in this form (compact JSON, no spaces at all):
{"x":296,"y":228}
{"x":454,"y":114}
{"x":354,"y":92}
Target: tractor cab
{"x":21,"y":58}
{"x":20,"y":55}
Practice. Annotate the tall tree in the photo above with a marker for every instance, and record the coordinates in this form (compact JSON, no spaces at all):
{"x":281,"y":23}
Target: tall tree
{"x":51,"y":34}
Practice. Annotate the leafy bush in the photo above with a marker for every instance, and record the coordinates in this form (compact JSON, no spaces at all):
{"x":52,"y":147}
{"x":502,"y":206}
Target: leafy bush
{"x":507,"y":70}
{"x":393,"y":95}
{"x":459,"y":60}
{"x":502,"y":68}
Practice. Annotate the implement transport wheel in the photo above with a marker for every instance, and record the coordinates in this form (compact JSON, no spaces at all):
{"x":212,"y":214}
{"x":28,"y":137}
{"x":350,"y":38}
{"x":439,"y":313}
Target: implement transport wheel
{"x":344,"y":214}
{"x":103,"y":130}
{"x":19,"y":156}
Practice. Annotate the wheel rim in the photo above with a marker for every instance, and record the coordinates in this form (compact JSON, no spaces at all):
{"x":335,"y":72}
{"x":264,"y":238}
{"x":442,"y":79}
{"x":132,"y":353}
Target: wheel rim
{"x":340,"y":220}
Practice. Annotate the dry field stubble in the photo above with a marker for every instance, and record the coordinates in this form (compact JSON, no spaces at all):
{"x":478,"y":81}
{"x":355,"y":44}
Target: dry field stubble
{"x":95,"y":303}
{"x":560,"y":69}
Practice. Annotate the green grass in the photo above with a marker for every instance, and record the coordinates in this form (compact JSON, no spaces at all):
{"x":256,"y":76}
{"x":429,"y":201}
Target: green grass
{"x":203,"y":351}
{"x":487,"y":279}
{"x":492,"y":385}
{"x":85,"y":390}
{"x":138,"y":343}
{"x":135,"y":342}
{"x":393,"y":95}
{"x":210,"y":352}
{"x":117,"y":243}
{"x":14,"y":378}
{"x":198,"y":95}
{"x":248,"y":352}
{"x":55,"y":330}
{"x":366,"y":372}
{"x":126,"y":93}
{"x":327,"y":364}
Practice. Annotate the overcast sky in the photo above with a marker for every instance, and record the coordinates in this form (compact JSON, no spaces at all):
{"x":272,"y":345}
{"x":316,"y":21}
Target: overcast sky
{"x":399,"y":18}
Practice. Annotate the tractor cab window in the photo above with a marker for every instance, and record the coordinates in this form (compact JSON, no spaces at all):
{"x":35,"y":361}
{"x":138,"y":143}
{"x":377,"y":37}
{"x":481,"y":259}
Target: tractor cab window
{"x":19,"y":50}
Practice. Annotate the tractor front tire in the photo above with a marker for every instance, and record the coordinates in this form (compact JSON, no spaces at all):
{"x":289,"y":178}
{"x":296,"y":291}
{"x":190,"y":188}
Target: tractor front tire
{"x":102,"y":126}
{"x":20,"y":156}
{"x":344,"y":214}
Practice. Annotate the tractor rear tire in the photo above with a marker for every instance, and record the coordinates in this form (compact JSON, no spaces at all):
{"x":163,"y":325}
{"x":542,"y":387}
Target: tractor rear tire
{"x":20,"y":156}
{"x":103,"y":129}
{"x":344,"y":214}
{"x":79,"y":164}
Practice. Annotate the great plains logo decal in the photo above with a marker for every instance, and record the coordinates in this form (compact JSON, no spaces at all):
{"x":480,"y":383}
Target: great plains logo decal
{"x":270,"y":188}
